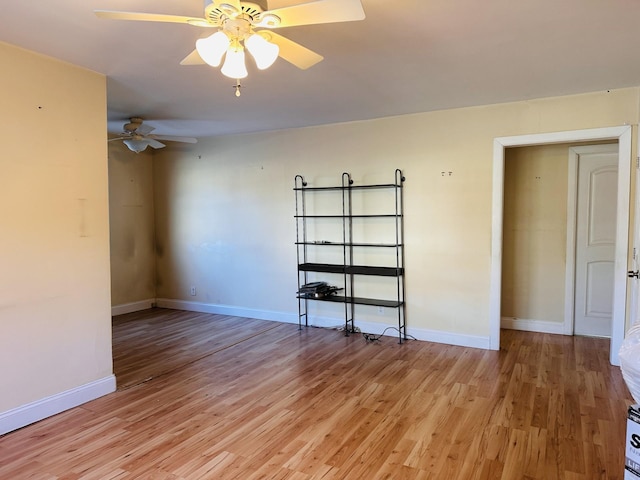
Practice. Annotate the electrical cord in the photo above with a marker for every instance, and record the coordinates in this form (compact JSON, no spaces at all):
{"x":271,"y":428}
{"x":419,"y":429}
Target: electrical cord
{"x":370,"y":337}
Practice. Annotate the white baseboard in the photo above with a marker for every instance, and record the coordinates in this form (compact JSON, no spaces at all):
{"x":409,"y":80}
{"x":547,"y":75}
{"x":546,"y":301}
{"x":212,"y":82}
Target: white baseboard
{"x":227,"y":310}
{"x":425,"y":335}
{"x":132,"y":307}
{"x":448,"y":338}
{"x":32,"y":412}
{"x":421,"y":334}
{"x":539,"y":326}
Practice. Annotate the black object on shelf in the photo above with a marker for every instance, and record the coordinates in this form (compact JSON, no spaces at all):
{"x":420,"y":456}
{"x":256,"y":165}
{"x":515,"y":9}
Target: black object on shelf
{"x":317,"y":290}
{"x":347,"y":269}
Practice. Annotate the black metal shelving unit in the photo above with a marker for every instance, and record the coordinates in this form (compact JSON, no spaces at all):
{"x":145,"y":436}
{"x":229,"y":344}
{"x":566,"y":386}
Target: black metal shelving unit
{"x":348,"y":270}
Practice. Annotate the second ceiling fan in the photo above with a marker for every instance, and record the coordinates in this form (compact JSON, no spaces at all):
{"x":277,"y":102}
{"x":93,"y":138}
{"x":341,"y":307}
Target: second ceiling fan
{"x":137,"y":137}
{"x":241,"y":24}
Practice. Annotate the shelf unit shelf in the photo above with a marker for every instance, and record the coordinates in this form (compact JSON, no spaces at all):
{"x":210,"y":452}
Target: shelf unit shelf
{"x":351,"y":187}
{"x":340,"y":244}
{"x":385,"y":215}
{"x":351,"y":269}
{"x":348,"y":270}
{"x":374,"y":302}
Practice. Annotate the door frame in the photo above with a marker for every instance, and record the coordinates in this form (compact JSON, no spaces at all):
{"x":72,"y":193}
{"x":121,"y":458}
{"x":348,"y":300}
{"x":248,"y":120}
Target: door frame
{"x":572,"y":220}
{"x":623,"y":136}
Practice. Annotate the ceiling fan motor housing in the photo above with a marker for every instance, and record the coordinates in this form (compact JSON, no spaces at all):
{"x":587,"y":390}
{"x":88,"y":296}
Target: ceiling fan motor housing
{"x":134,"y":124}
{"x":253,"y":14}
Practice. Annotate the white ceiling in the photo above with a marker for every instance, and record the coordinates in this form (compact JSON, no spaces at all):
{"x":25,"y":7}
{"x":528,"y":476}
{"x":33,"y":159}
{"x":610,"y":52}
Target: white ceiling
{"x":407,"y":56}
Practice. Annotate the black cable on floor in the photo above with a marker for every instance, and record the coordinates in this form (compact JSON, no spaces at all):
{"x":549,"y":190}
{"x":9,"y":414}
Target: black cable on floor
{"x":370,"y":337}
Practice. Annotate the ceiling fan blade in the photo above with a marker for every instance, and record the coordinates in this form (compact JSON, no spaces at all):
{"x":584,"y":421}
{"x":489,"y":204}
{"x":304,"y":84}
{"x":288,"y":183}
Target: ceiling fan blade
{"x":291,"y":51}
{"x":144,"y":129}
{"x":319,"y":11}
{"x":151,"y":17}
{"x":174,"y":138}
{"x":116,"y":138}
{"x":154,"y":143}
{"x":193,"y":58}
{"x":273,"y":4}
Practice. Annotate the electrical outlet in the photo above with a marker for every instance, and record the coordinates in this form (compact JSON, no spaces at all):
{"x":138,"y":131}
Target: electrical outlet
{"x":192,"y":291}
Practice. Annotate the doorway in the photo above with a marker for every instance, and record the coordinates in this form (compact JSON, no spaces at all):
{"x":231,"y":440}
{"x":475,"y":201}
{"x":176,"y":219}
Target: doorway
{"x":623,"y":136}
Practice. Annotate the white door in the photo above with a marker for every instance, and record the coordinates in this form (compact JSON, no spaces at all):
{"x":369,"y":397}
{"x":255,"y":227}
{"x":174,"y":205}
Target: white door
{"x":634,"y":273}
{"x":595,"y":241}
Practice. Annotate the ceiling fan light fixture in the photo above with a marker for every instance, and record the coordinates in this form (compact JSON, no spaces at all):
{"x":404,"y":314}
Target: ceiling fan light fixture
{"x":211,"y":49}
{"x":265,"y":53}
{"x":135,"y":145}
{"x":234,"y":66}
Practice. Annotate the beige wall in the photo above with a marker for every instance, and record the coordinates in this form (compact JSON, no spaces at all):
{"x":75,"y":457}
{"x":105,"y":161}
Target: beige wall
{"x":55,"y":325}
{"x":535,"y":233}
{"x":224,"y":207}
{"x":131,"y":219}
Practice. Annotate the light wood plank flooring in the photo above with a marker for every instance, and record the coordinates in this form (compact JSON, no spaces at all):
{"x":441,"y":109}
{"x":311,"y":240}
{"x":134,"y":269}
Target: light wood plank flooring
{"x":153,"y":342}
{"x":278,"y":403}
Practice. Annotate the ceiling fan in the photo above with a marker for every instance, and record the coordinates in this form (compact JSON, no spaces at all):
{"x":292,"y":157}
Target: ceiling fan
{"x":243,"y":24}
{"x":137,"y":137}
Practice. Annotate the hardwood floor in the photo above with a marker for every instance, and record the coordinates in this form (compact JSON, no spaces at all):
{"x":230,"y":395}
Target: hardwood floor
{"x":151,"y":343}
{"x":278,"y":403}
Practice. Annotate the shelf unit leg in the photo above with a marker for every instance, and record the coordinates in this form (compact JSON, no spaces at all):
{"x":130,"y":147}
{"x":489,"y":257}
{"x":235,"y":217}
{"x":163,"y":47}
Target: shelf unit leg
{"x":306,"y":323}
{"x":348,"y":329}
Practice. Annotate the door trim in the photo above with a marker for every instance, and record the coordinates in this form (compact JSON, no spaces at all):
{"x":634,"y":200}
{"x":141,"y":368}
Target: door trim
{"x":623,"y":136}
{"x":572,"y":218}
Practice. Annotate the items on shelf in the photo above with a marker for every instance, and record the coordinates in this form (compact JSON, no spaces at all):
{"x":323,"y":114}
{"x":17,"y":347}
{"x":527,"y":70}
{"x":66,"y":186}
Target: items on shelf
{"x":317,"y":290}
